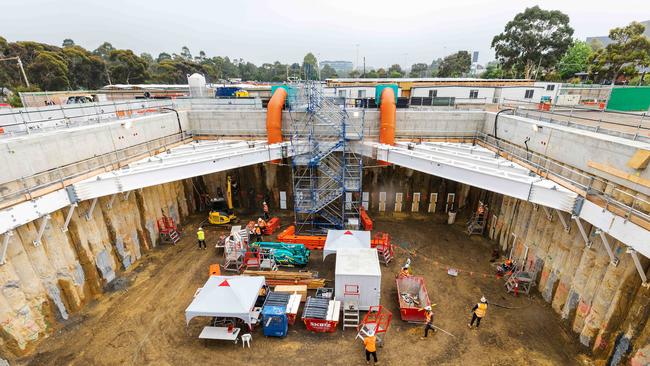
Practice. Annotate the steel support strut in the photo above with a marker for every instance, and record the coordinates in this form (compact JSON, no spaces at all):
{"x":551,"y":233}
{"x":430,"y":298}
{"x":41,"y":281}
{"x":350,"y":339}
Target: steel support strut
{"x":563,"y":220}
{"x":612,"y":259}
{"x":639,"y":268}
{"x":5,"y":245}
{"x":582,"y":231}
{"x":109,"y":205}
{"x":549,"y":213}
{"x":68,"y":217}
{"x":41,"y":229}
{"x":89,"y":214}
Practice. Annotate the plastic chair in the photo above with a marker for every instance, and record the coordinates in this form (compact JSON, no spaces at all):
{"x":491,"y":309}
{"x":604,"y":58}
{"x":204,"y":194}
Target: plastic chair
{"x":246,"y":339}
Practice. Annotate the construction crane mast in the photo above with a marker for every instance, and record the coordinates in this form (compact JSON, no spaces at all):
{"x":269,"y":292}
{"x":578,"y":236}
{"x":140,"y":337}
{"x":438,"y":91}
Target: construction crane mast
{"x":20,"y":64}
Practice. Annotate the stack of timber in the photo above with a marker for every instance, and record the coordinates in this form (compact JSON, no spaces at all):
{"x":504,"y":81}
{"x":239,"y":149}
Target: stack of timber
{"x":274,"y":278}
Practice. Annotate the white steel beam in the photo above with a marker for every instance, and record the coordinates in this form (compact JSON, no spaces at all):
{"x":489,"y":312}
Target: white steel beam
{"x":581,"y":228}
{"x":563,"y":220}
{"x":41,"y":229}
{"x":5,"y":245}
{"x":89,"y":213}
{"x":639,"y":268}
{"x":612,"y":258}
{"x":528,"y":187}
{"x":25,"y":212}
{"x":68,"y":217}
{"x":172,"y":168}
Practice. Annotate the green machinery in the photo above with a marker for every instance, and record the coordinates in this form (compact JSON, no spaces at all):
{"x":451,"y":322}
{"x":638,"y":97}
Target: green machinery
{"x":285,"y":254}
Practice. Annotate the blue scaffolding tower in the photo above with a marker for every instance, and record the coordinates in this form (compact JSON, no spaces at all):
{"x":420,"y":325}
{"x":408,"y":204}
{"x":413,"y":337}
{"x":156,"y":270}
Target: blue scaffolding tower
{"x":326,"y":172}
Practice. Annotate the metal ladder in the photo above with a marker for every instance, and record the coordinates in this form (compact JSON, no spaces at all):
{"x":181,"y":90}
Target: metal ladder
{"x":174,"y":236}
{"x":351,"y":307}
{"x":385,"y":254}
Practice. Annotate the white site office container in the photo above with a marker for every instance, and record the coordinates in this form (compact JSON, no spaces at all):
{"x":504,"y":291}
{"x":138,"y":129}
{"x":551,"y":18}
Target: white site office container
{"x":358,"y":269}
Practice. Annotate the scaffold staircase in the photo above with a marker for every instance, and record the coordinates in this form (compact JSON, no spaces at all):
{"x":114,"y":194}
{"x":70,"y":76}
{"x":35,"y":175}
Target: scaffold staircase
{"x":351,"y":315}
{"x":326,"y":173}
{"x":477,"y":223}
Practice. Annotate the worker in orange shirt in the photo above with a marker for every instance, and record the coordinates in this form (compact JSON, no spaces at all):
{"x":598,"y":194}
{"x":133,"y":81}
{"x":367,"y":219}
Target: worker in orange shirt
{"x":478,"y":312}
{"x":370,"y":343}
{"x":428,"y":313}
{"x":262,"y":224}
{"x":404,"y":272}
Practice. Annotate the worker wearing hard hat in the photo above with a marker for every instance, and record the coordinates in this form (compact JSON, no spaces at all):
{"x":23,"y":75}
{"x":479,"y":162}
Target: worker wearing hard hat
{"x":404,"y":272}
{"x":370,"y":343}
{"x":428,"y":313}
{"x":200,"y":237}
{"x":258,"y":233}
{"x":478,"y":312}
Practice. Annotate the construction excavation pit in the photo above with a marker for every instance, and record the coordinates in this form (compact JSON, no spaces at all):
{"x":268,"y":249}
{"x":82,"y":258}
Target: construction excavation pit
{"x":309,"y":230}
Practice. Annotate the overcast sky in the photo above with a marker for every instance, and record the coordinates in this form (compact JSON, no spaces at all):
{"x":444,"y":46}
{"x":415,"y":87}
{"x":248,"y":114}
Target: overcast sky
{"x":387,"y":32}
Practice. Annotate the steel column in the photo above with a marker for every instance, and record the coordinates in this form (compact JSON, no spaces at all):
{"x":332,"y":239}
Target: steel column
{"x":89,"y":214}
{"x":582,"y":231}
{"x":41,"y":230}
{"x":5,"y":245}
{"x":68,"y":217}
{"x":612,"y":258}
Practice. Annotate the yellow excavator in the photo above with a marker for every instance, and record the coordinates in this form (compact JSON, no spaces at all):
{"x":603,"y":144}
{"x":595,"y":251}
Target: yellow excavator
{"x":221,"y":209}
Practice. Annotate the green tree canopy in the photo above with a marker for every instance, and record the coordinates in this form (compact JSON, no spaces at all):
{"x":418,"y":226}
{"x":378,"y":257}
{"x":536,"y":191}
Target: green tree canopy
{"x":576,"y":59}
{"x":310,"y":66}
{"x":104,"y":50}
{"x":50,"y":71}
{"x":533,"y":38}
{"x":125,"y":67}
{"x":629,"y":50}
{"x":419,"y":70}
{"x":67,"y":43}
{"x":455,"y":65}
{"x":328,"y":72}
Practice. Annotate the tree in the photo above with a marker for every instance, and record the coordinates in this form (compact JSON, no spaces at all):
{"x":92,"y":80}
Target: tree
{"x":50,"y":71}
{"x":354,"y":74}
{"x":381,"y":73}
{"x":328,"y":72}
{"x":533,"y":38}
{"x":68,"y":43}
{"x":419,"y":70}
{"x":435,"y":65}
{"x":493,"y":71}
{"x":576,"y":59}
{"x":104,"y":50}
{"x":629,"y":50}
{"x":185,"y":53}
{"x":310,"y":67}
{"x":163,"y":56}
{"x":455,"y":65}
{"x":372,"y":74}
{"x":127,"y":68}
{"x":395,"y":71}
{"x":85,"y":70}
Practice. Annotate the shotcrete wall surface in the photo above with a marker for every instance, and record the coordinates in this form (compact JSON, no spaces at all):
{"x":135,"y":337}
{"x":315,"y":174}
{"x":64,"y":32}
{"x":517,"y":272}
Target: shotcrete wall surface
{"x":46,"y":283}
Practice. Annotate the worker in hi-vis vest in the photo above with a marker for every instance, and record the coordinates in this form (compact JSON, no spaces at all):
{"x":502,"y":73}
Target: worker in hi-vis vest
{"x":478,"y":312}
{"x":200,"y":237}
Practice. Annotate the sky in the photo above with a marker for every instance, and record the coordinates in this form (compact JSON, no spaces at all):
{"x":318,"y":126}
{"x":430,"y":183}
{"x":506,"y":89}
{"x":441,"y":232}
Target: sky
{"x":385,"y":32}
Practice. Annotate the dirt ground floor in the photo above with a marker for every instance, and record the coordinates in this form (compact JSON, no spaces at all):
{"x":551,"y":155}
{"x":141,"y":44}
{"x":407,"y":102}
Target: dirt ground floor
{"x":141,"y":319}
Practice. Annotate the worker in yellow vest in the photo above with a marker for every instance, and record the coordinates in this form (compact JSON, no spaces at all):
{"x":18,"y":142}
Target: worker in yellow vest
{"x":200,"y":236}
{"x":370,"y":343}
{"x":478,"y":312}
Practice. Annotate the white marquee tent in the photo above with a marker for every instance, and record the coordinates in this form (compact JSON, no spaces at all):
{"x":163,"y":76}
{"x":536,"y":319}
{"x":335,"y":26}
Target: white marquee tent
{"x":338,"y":239}
{"x":226,"y":296}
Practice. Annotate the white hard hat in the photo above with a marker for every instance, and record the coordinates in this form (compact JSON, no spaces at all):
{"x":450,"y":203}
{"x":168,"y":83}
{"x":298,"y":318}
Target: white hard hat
{"x":483,"y":299}
{"x":264,"y":203}
{"x":427,"y":308}
{"x":200,"y":228}
{"x":371,"y":333}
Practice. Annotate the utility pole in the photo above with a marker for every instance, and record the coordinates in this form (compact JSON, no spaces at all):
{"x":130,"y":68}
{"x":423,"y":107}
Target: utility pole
{"x":364,"y":67}
{"x":20,"y":64}
{"x":356,"y":65}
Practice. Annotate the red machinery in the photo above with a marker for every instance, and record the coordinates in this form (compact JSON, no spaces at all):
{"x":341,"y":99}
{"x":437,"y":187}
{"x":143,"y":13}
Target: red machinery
{"x":413,"y":297}
{"x":366,"y":221}
{"x":321,"y":315}
{"x":311,"y":242}
{"x":168,"y":230}
{"x":272,"y":225}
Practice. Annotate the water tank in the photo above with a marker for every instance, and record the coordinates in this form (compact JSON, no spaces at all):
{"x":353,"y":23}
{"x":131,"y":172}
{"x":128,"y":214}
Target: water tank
{"x":197,"y":85}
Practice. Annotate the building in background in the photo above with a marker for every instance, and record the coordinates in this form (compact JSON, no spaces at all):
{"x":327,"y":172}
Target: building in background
{"x":341,"y":67}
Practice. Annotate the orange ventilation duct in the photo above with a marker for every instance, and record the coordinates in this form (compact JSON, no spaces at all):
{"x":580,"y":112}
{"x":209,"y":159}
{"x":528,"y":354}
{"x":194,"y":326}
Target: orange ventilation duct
{"x":387,"y":117}
{"x":274,"y":116}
